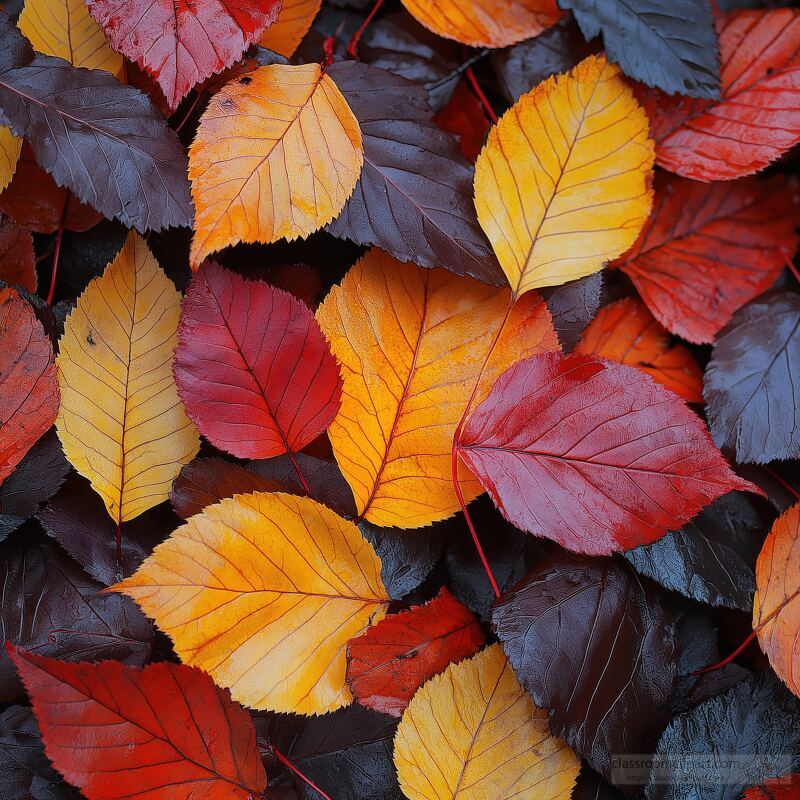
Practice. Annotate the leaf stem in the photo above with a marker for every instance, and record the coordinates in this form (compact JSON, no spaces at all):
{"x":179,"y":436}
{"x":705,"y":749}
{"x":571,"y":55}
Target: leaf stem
{"x":57,"y":250}
{"x":790,"y":263}
{"x":189,"y":112}
{"x":454,"y":450}
{"x":458,"y":71}
{"x":789,"y":488}
{"x":352,"y":47}
{"x":296,"y":465}
{"x":285,"y":761}
{"x":476,"y":87}
{"x":119,"y":548}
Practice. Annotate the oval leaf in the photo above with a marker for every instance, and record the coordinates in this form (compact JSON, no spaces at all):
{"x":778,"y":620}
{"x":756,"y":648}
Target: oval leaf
{"x":121,"y":422}
{"x":485,"y":23}
{"x":558,"y":205}
{"x":161,"y":732}
{"x":290,"y":179}
{"x":412,"y":343}
{"x":263,"y":592}
{"x":472,"y":732}
{"x":626,"y":332}
{"x":182,"y":44}
{"x":614,"y":459}
{"x":10,"y":147}
{"x":17,"y":257}
{"x":776,"y":607}
{"x":28,"y":385}
{"x":255,"y":391}
{"x":387,"y":665}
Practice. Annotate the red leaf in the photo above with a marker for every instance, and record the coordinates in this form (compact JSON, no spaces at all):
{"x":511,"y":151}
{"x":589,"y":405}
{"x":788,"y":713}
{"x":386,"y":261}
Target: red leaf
{"x":463,"y":116}
{"x":252,"y":366}
{"x":34,"y":200}
{"x":708,"y":249}
{"x":758,"y":117}
{"x":28,"y":386}
{"x":387,"y":665}
{"x":180,"y":43}
{"x":786,"y":787}
{"x":159,"y":733}
{"x":594,"y":455}
{"x":17,"y":258}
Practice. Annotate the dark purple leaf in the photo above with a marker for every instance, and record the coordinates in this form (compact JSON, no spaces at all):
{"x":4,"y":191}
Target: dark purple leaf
{"x":573,"y":306}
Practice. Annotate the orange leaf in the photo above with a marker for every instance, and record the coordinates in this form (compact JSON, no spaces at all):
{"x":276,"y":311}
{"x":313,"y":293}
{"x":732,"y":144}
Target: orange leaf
{"x":412,"y":343}
{"x":485,"y":23}
{"x":776,"y":606}
{"x":625,"y":331}
{"x":293,"y":23}
{"x":563,"y":184}
{"x":277,"y":154}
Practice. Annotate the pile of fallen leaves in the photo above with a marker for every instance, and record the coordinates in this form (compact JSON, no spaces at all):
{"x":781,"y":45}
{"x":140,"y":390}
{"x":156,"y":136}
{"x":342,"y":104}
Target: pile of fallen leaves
{"x":399,"y":399}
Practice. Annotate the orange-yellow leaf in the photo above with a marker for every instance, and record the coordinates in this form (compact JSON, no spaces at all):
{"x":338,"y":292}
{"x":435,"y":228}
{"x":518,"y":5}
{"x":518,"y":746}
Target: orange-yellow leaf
{"x":776,"y":607}
{"x":473,"y":733}
{"x":292,"y":25}
{"x":121,"y":423}
{"x":263,"y":591}
{"x":485,"y":23}
{"x":563,"y":183}
{"x":412,"y":342}
{"x":64,"y":28}
{"x":625,"y":331}
{"x":10,"y":148}
{"x":277,"y":154}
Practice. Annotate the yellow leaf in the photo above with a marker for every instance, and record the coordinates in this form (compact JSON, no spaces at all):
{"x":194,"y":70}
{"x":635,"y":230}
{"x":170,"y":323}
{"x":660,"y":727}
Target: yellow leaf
{"x":64,"y":28}
{"x":277,"y":154}
{"x":776,"y":605}
{"x":473,"y":733}
{"x":564,"y":181}
{"x":485,"y":23}
{"x":292,"y":25}
{"x":10,"y":148}
{"x":120,"y":421}
{"x":412,"y":343}
{"x":263,"y":591}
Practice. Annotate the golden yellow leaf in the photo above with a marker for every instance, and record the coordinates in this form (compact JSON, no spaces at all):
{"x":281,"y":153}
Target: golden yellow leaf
{"x":64,"y":28}
{"x":263,"y":591}
{"x":776,"y":605}
{"x":120,"y":422}
{"x":277,"y":154}
{"x":485,"y":23}
{"x":412,"y":343}
{"x":564,"y":181}
{"x":474,"y":733}
{"x":292,"y":25}
{"x":10,"y":148}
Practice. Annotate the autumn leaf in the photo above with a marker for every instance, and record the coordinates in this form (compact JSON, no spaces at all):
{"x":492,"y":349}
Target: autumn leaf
{"x":573,"y":306}
{"x":120,"y":421}
{"x":10,"y":147}
{"x":557,"y":206}
{"x":589,"y":640}
{"x":616,"y":459}
{"x":387,"y":665}
{"x":750,"y":383}
{"x":414,"y":196}
{"x":783,"y":788}
{"x":411,"y":357}
{"x":155,"y":733}
{"x":127,"y":164}
{"x":670,"y":45}
{"x":263,"y":592}
{"x":182,"y":45}
{"x":454,"y":738}
{"x":28,"y":387}
{"x":465,"y":118}
{"x":253,"y":391}
{"x":17,"y":257}
{"x":758,"y":116}
{"x":34,"y":200}
{"x":776,"y":607}
{"x":483,"y":23}
{"x":64,"y":28}
{"x":290,"y":179}
{"x":626,"y":332}
{"x":709,"y":249}
{"x":292,"y":24}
